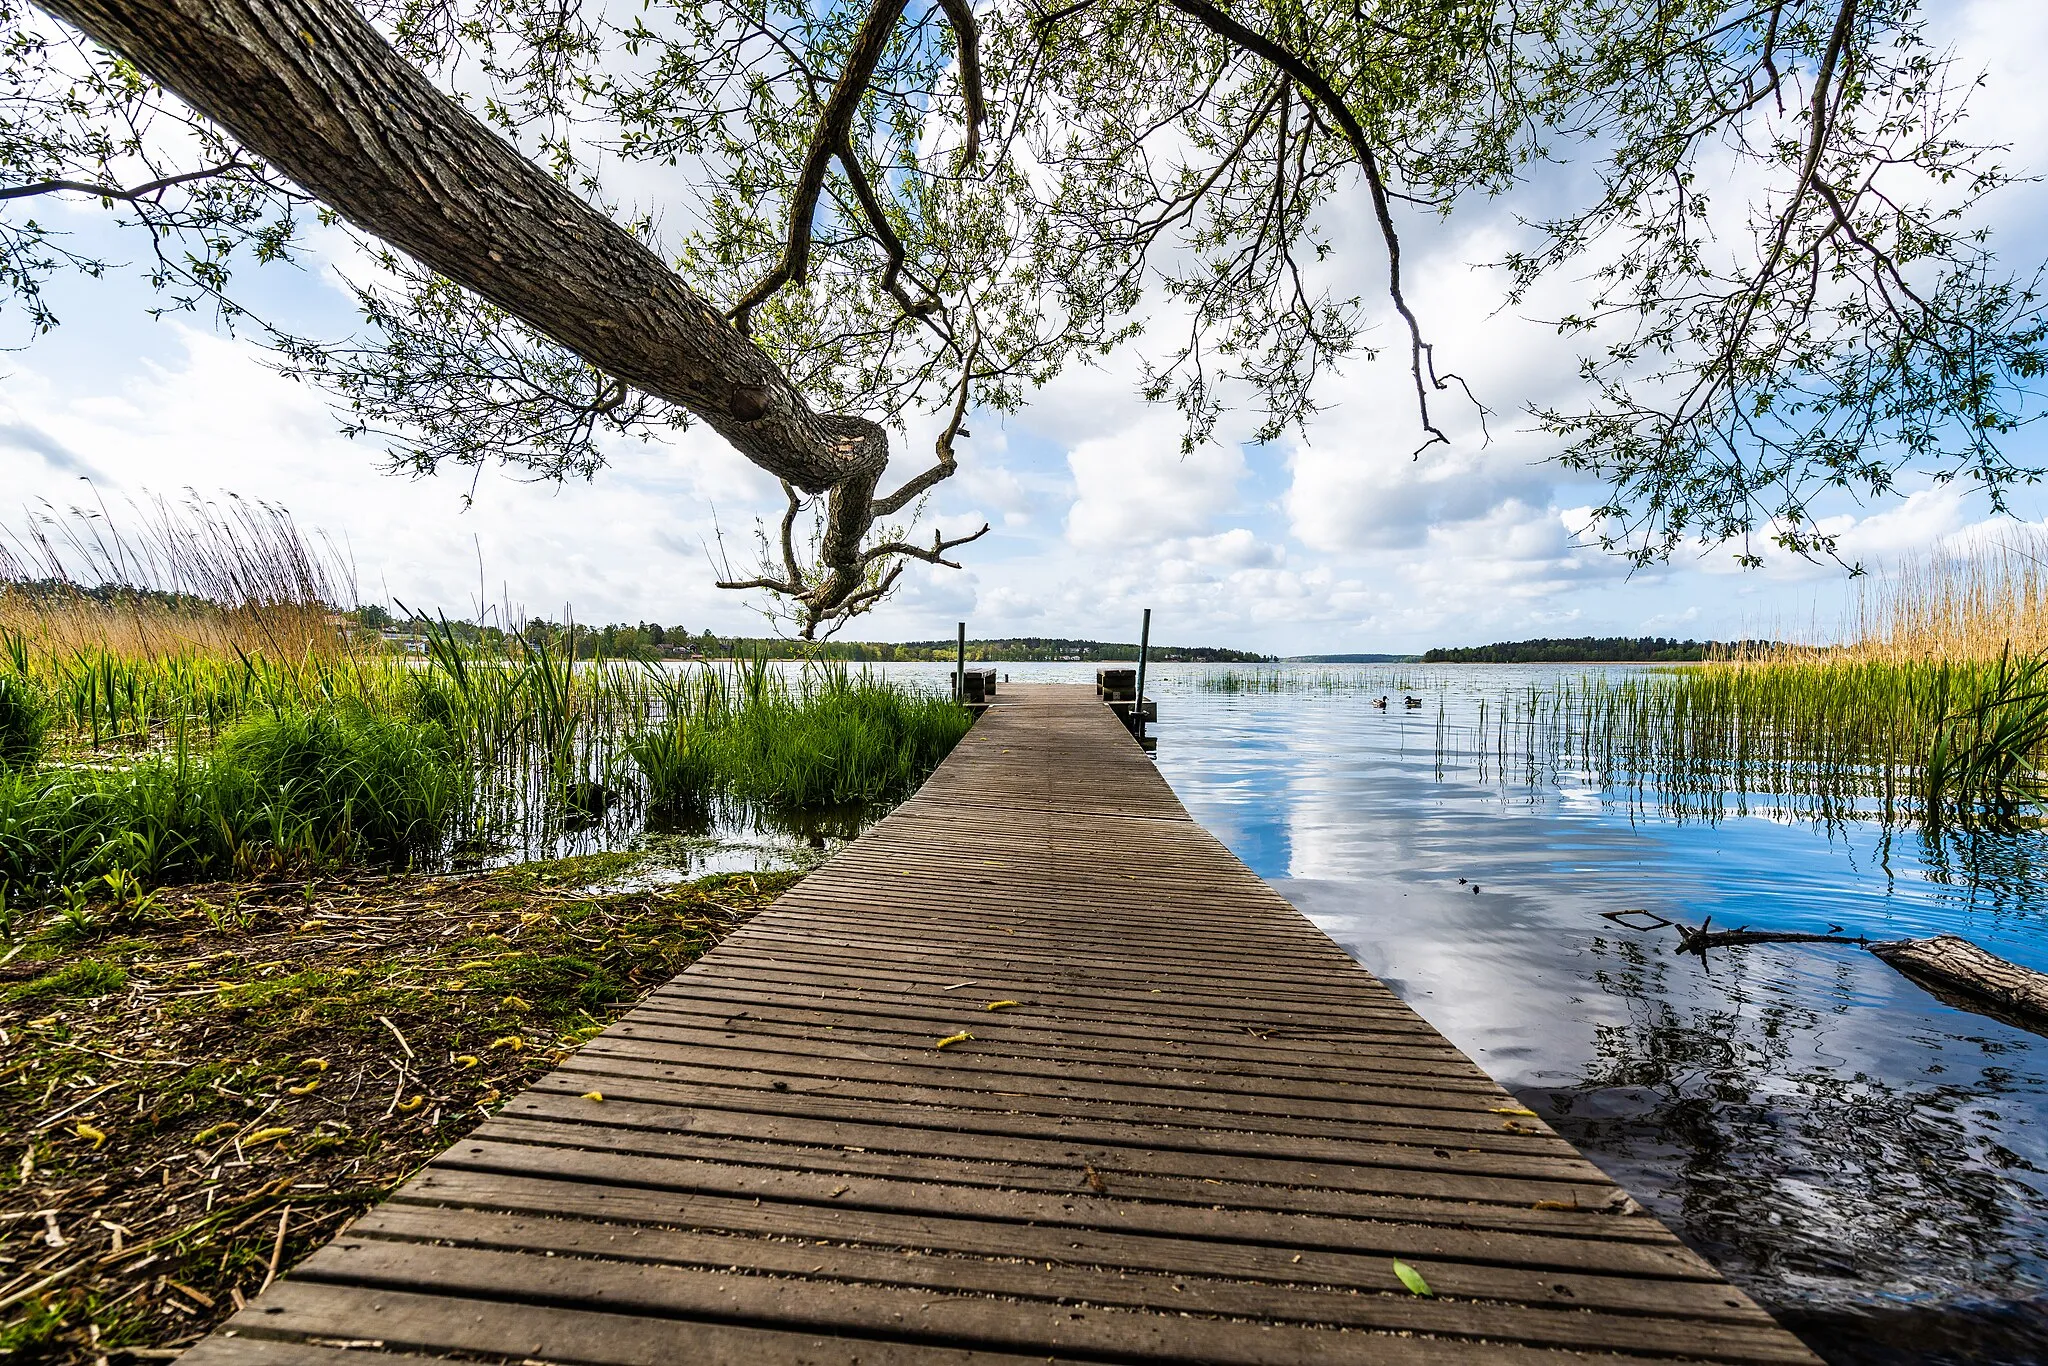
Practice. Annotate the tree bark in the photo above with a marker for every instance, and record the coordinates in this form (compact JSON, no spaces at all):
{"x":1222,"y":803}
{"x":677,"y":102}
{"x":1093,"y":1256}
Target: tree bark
{"x":311,"y":88}
{"x":1950,"y":961}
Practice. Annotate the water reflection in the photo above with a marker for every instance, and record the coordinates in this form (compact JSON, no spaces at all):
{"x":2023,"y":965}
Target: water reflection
{"x":1870,"y":1162}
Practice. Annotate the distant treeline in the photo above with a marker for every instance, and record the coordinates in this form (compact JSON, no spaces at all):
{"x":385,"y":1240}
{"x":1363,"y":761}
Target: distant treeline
{"x":650,"y":640}
{"x":1352,"y":659}
{"x":1586,"y":649}
{"x":1054,"y":647}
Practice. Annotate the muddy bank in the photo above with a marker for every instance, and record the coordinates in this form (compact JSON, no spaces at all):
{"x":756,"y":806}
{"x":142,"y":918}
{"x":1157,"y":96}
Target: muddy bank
{"x":202,"y":1085}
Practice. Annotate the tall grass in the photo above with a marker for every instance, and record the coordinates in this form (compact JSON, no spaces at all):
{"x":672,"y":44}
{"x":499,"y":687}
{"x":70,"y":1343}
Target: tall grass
{"x":301,"y":789}
{"x":185,"y":700}
{"x":814,"y":739}
{"x":24,"y":720}
{"x":1946,"y":744}
{"x":158,"y":578}
{"x":1977,"y":600}
{"x":1297,"y":679}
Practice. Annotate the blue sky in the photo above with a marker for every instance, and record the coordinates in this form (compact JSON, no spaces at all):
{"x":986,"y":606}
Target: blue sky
{"x":1339,"y":542}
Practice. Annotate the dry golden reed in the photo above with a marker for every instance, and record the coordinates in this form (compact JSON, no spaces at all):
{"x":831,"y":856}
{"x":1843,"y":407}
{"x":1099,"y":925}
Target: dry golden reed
{"x":1969,"y":603}
{"x":196,"y":577}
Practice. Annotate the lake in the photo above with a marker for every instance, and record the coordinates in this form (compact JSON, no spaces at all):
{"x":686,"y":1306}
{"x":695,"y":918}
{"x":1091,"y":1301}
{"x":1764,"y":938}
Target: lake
{"x":1869,"y":1163}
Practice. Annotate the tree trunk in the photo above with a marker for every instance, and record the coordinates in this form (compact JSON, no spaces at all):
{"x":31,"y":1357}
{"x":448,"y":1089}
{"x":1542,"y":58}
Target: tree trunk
{"x":311,"y":88}
{"x":1955,"y":963}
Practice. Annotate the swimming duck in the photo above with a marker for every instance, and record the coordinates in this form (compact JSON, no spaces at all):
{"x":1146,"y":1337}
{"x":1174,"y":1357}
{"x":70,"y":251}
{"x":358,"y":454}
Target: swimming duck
{"x":1380,"y":702}
{"x":1412,"y":701}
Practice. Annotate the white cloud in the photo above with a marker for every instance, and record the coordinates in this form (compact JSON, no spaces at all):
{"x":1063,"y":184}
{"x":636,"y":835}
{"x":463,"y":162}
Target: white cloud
{"x":1134,"y":488}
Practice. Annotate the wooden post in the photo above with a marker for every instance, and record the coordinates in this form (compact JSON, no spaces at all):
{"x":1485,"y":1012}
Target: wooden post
{"x":1144,"y":648}
{"x":960,"y":667}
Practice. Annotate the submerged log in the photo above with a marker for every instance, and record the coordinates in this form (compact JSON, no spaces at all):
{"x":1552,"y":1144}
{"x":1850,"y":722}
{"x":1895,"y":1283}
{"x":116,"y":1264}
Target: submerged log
{"x":1965,"y":970}
{"x":1700,"y":940}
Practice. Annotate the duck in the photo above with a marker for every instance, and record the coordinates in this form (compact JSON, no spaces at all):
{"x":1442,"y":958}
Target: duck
{"x":1412,"y":701}
{"x":1380,"y":702}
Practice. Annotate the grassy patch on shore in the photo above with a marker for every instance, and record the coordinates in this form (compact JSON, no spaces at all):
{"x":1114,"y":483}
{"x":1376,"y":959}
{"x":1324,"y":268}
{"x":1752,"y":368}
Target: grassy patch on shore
{"x":213,"y":1081}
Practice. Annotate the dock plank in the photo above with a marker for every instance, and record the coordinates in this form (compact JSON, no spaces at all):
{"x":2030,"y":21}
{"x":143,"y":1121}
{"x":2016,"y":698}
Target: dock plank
{"x":1203,"y":1134}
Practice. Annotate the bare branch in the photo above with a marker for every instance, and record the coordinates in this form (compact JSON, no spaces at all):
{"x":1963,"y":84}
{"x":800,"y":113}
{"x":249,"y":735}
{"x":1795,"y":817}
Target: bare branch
{"x":131,"y":194}
{"x":916,"y":485}
{"x":1421,"y":355}
{"x":935,"y":555}
{"x":827,"y":137}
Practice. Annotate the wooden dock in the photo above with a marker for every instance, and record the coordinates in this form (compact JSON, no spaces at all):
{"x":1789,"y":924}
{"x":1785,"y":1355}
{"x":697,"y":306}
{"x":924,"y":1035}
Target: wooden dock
{"x":1201,"y":1134}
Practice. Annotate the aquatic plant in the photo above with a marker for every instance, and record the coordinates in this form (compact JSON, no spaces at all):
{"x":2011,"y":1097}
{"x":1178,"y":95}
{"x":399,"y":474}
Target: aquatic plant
{"x":24,"y":720}
{"x":1984,"y":762}
{"x":820,"y":739}
{"x":303,"y":788}
{"x":1282,"y":678}
{"x":1943,"y":743}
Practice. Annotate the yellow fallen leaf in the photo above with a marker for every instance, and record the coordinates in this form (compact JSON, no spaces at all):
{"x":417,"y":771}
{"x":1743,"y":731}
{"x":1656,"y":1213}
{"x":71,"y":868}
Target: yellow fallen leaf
{"x":317,"y":1064}
{"x":1553,"y":1204}
{"x":468,"y":1060}
{"x":406,"y":1107}
{"x":1513,"y":1110}
{"x":308,"y":1089}
{"x":210,"y":1133}
{"x":511,"y":1041}
{"x":962,"y":1037}
{"x":514,"y":1003}
{"x":487,"y":1097}
{"x":84,"y":1130}
{"x":998,"y":1005}
{"x":264,"y":1136}
{"x":593,"y":1095}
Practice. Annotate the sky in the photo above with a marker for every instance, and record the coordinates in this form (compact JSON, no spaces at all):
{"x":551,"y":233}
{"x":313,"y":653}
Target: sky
{"x":1334,"y":541}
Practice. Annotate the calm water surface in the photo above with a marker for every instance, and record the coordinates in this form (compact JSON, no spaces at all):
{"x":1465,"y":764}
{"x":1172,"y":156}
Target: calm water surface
{"x":1869,"y":1162}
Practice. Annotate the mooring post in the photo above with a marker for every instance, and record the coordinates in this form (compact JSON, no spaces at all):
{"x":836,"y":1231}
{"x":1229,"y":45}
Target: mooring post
{"x":1144,"y":648}
{"x":960,"y":667}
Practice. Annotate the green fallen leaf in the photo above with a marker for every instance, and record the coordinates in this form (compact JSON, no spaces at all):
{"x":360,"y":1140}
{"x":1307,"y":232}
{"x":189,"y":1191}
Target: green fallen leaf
{"x":1412,"y":1278}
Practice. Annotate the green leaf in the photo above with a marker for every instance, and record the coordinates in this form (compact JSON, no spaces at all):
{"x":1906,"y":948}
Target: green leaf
{"x":1412,"y":1278}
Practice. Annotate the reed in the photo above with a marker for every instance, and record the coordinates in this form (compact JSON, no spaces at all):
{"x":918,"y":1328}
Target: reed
{"x":812,"y":739}
{"x":303,"y":789}
{"x":1945,"y":744}
{"x":160,"y":578}
{"x":1297,"y":679}
{"x":182,"y":695}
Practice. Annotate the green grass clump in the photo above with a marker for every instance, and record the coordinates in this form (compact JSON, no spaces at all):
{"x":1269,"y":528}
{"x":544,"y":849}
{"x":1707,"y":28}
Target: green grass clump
{"x":829,"y":739}
{"x":370,"y":785}
{"x":24,"y":721}
{"x":303,"y":787}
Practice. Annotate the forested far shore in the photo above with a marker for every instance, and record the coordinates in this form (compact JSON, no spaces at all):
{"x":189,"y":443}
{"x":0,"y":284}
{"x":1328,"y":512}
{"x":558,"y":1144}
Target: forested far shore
{"x":1594,"y":650}
{"x":651,"y":640}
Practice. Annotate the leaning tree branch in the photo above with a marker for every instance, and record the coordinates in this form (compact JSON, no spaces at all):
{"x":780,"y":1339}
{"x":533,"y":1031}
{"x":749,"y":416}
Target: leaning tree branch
{"x":309,"y":87}
{"x":967,"y":33}
{"x":831,"y":132}
{"x":1422,"y":358}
